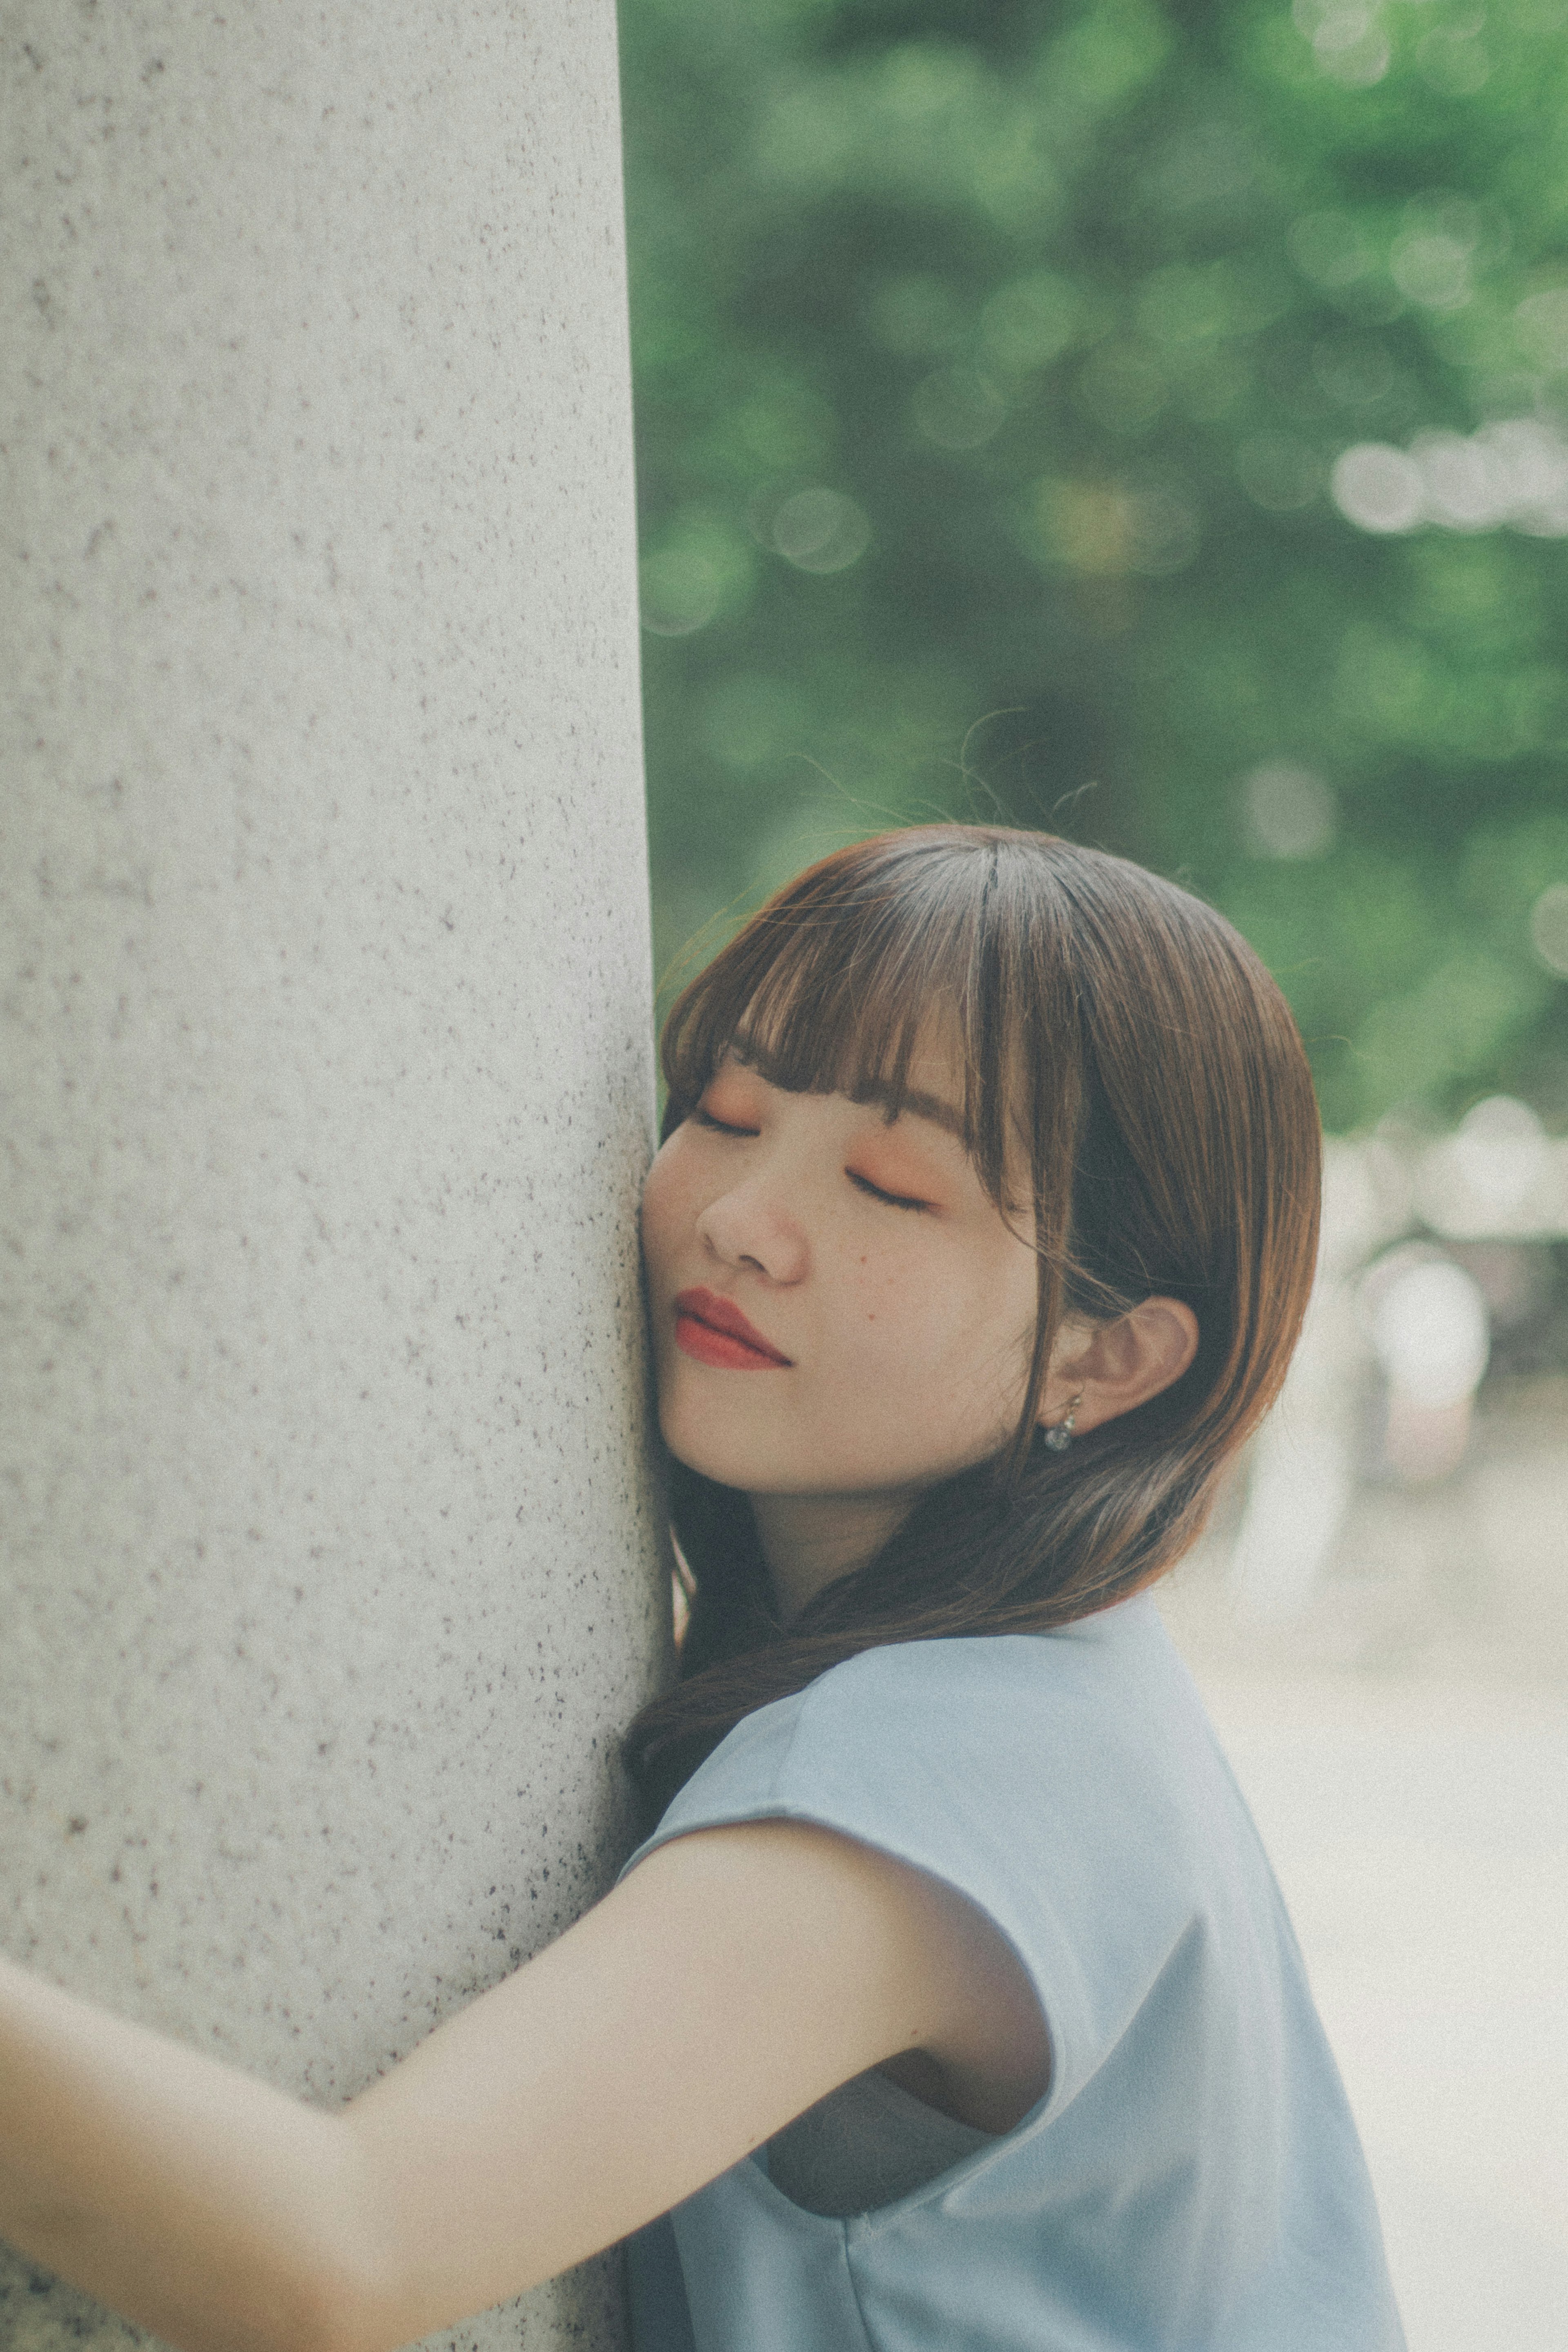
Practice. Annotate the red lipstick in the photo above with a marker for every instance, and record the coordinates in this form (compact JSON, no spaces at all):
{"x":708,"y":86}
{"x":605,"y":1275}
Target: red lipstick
{"x":713,"y":1330}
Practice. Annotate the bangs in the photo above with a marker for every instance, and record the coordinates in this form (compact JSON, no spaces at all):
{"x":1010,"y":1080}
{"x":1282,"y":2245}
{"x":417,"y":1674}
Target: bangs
{"x":838,"y":982}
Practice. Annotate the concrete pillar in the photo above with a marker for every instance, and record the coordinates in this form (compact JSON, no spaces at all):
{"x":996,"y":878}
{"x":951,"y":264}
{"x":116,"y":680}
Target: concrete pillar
{"x":330,"y":1570}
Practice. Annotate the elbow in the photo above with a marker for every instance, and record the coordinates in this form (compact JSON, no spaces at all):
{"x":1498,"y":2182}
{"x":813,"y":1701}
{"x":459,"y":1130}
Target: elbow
{"x":313,"y":2313}
{"x":340,"y":2295}
{"x":334,"y":2313}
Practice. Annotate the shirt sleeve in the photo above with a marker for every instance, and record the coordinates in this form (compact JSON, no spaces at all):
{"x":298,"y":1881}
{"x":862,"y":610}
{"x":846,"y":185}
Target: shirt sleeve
{"x":1036,"y":1774}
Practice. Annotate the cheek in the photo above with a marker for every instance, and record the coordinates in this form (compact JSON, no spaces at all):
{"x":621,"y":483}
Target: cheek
{"x":663,"y":1209}
{"x":929,"y":1320}
{"x":911,"y":1303}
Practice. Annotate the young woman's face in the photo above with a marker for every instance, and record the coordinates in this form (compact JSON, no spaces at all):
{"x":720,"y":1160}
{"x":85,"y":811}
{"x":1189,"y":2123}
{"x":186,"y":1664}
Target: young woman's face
{"x":838,"y":1306}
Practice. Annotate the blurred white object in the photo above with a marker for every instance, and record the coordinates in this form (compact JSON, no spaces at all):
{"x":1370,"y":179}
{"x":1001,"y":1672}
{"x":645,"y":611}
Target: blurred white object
{"x":1298,"y":1489}
{"x":1421,"y":1322}
{"x":1498,"y":1176}
{"x":1512,"y":472}
{"x":1502,"y":1153}
{"x":1366,"y":1202}
{"x":1300,"y":1476}
{"x":1378,"y":488}
{"x":1536,"y":463}
{"x":1468,"y":483}
{"x":1428,"y":1324}
{"x":1427,"y":1321}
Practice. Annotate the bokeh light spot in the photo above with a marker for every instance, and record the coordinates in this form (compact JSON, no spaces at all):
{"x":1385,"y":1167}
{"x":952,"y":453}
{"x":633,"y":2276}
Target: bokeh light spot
{"x":1501,"y":1153}
{"x":1290,"y":811}
{"x":684,"y":586}
{"x":1515,"y":471}
{"x":958,"y":408}
{"x":1030,"y":322}
{"x":1542,"y":322}
{"x":1106,"y":529}
{"x":1329,"y":248}
{"x":820,"y":531}
{"x":1348,"y":42}
{"x":1431,"y":268}
{"x":1427,"y":1320}
{"x":1549,"y":928}
{"x":1378,"y":488}
{"x":1451,"y":60}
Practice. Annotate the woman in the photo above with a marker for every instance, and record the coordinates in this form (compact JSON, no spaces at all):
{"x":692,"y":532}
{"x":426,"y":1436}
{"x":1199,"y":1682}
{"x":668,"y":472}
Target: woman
{"x":950,"y":2000}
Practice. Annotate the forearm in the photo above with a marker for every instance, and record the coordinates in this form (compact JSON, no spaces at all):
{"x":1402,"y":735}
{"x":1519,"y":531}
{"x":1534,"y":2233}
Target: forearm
{"x":214,"y":2209}
{"x":731,"y":1981}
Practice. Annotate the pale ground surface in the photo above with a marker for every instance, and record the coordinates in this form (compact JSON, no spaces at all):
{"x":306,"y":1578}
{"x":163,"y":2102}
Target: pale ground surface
{"x":1404,"y":1744}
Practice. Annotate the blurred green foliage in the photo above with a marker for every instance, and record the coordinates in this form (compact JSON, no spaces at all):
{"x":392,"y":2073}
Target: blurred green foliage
{"x":992,"y":361}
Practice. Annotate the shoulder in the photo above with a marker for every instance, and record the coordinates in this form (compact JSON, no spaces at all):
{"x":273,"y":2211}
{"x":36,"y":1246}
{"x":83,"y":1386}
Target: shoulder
{"x":1110,"y":1682}
{"x":911,"y":1741}
{"x":1114,"y":1649}
{"x":1067,"y":1784}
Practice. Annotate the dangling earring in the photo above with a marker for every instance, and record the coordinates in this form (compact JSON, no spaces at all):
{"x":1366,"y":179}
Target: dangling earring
{"x":1058,"y":1436}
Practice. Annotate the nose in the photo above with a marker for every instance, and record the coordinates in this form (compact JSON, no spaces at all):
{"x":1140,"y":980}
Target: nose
{"x":750,"y":1225}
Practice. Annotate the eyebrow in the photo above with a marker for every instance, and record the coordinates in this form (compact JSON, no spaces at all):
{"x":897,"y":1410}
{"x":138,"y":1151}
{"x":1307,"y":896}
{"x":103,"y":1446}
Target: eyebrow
{"x":911,"y":1102}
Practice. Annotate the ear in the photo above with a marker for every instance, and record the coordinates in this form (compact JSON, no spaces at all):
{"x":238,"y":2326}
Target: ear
{"x":1112,"y":1367}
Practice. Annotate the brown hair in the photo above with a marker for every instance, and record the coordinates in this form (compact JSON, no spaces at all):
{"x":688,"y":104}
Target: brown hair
{"x":1125,"y":1034}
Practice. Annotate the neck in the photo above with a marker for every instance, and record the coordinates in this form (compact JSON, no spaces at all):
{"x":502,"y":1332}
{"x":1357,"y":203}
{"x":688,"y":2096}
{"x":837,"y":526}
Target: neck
{"x":808,"y":1541}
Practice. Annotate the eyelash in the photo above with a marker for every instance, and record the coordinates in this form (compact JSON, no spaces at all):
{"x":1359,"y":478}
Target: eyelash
{"x":894,"y":1200}
{"x":719,"y":1126}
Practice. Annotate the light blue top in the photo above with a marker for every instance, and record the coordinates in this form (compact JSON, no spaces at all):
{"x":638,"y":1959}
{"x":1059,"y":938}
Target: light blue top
{"x":1192,"y":2178}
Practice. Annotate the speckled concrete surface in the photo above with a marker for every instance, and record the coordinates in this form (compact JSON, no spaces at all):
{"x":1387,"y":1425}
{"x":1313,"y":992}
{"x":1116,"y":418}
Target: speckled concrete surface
{"x":329,"y":1565}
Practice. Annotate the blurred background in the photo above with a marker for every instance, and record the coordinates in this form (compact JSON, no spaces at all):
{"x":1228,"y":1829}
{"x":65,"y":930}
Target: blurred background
{"x":1152,"y":423}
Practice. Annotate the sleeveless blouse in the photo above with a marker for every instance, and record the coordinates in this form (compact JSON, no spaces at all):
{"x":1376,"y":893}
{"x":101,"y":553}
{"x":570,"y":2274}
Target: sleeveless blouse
{"x":868,"y":2143}
{"x":1191,"y":2181}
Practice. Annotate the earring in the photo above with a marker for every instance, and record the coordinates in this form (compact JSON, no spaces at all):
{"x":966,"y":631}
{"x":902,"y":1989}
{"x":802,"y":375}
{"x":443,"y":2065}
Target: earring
{"x":1058,"y":1436}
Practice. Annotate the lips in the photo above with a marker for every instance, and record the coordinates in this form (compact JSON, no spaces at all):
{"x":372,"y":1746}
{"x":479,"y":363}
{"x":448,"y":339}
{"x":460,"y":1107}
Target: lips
{"x":713,"y":1330}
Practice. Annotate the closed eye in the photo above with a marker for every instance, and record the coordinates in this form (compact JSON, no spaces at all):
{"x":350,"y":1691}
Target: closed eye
{"x":720,"y":1126}
{"x":894,"y":1200}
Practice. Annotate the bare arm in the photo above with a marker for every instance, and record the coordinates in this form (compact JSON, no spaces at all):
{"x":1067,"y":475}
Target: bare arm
{"x":736,"y":1977}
